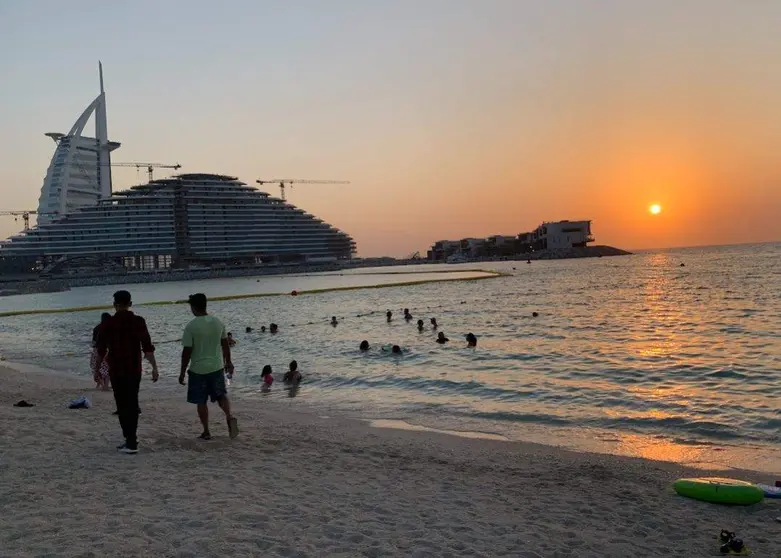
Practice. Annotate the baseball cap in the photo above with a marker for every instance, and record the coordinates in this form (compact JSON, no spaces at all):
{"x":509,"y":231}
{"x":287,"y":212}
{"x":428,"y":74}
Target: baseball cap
{"x":198,"y":300}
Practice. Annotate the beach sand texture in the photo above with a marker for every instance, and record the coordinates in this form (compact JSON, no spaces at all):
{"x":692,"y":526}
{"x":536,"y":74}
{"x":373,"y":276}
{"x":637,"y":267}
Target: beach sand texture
{"x":294,"y":484}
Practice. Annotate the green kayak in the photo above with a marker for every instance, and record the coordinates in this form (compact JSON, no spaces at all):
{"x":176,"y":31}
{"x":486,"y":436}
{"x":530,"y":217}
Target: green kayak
{"x":720,"y":491}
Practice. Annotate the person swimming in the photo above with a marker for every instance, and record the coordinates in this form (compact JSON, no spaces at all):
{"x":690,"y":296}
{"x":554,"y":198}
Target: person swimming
{"x":441,"y":339}
{"x":388,"y":316}
{"x":334,"y":321}
{"x":364,"y":346}
{"x":471,"y":340}
{"x":292,"y":376}
{"x":266,"y":378}
{"x":248,"y":329}
{"x":434,"y":323}
{"x":534,"y":314}
{"x":394,"y":349}
{"x":420,"y":325}
{"x":273,"y":328}
{"x":407,"y":315}
{"x":231,"y":340}
{"x":263,"y":329}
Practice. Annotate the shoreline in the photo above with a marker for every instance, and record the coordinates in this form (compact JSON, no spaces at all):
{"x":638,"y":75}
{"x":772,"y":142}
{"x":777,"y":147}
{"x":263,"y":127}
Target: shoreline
{"x":484,"y":274}
{"x":34,"y":284}
{"x":299,"y":484}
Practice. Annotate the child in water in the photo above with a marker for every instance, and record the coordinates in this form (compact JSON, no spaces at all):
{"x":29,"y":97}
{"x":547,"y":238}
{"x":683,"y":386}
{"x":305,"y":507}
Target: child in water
{"x":292,"y":376}
{"x":266,"y":378}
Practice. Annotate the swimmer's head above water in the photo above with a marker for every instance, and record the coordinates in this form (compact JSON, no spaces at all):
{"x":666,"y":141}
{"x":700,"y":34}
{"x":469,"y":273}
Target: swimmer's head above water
{"x":364,"y":345}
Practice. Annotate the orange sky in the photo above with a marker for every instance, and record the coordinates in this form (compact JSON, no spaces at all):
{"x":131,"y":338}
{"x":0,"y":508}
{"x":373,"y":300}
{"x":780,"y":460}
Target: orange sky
{"x":450,"y":119}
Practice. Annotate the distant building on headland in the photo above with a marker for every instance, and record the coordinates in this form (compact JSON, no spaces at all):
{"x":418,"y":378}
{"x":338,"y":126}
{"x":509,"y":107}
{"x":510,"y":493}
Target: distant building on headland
{"x":552,"y":238}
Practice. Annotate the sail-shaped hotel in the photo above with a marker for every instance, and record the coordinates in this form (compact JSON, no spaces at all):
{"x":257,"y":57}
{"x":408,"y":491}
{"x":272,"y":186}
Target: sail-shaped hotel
{"x":188,"y":220}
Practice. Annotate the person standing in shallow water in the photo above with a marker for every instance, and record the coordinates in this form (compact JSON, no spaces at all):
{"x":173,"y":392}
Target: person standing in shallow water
{"x":122,"y":339}
{"x":101,"y":376}
{"x":206,"y":351}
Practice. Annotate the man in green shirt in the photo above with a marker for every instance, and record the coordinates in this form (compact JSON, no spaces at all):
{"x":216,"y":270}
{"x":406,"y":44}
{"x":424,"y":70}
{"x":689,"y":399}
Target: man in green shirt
{"x":207,"y":352}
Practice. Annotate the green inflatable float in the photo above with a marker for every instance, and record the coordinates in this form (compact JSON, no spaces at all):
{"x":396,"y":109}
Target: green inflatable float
{"x":720,"y":491}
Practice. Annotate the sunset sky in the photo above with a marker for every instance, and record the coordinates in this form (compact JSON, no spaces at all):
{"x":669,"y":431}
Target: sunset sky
{"x":451,"y":118}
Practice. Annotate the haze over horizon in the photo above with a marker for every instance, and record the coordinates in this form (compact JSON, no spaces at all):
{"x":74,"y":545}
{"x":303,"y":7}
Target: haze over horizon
{"x":451,"y":118}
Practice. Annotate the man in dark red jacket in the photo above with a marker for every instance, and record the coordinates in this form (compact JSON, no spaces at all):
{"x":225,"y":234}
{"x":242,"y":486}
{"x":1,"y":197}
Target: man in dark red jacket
{"x":124,"y":337}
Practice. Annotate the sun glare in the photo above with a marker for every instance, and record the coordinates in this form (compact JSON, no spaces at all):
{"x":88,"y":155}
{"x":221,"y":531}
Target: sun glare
{"x":655,"y":209}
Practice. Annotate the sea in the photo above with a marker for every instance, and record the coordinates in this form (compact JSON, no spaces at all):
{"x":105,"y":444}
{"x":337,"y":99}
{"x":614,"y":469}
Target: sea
{"x":671,"y":355}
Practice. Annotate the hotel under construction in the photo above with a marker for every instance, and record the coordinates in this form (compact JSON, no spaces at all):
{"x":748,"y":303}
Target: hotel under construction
{"x":184,"y":221}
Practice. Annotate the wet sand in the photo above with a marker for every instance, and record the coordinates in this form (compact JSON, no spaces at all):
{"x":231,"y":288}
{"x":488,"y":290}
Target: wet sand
{"x":295,"y":484}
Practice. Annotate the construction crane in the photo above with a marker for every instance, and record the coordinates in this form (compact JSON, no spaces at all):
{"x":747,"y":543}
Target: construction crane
{"x":149,"y":167}
{"x":24,"y":214}
{"x":290,"y":181}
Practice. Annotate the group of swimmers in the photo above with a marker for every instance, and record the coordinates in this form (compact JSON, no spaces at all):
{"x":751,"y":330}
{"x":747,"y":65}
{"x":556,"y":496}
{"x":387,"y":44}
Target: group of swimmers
{"x":471,"y":338}
{"x":293,"y":376}
{"x":273,"y":328}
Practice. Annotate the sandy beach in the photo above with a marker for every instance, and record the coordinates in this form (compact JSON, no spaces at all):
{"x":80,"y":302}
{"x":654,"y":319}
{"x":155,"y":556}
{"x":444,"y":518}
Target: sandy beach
{"x":302,"y":485}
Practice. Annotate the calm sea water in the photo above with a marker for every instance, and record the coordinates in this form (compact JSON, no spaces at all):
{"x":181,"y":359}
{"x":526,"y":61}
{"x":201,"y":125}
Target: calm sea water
{"x":634,"y":355}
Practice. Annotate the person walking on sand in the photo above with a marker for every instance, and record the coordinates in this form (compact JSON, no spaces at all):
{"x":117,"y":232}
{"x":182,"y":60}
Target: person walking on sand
{"x":207,"y":352}
{"x":123,"y":337}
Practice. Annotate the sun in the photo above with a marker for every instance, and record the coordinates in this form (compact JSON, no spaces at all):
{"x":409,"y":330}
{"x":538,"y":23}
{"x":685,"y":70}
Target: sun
{"x":655,"y":209}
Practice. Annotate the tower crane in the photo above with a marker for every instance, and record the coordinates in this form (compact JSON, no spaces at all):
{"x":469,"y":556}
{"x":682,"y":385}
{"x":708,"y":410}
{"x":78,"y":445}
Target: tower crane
{"x":149,"y":167}
{"x":24,"y":214}
{"x":290,"y":181}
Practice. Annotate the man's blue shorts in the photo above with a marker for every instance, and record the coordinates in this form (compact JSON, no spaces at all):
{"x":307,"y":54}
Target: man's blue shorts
{"x":202,"y":387}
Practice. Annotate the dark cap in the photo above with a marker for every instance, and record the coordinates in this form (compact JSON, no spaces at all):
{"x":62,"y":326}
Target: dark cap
{"x":198,"y":300}
{"x":122,"y":298}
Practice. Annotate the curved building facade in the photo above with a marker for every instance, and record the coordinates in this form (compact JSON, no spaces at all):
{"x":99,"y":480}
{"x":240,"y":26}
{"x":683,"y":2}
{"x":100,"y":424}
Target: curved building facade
{"x":80,"y":171}
{"x":183,"y":221}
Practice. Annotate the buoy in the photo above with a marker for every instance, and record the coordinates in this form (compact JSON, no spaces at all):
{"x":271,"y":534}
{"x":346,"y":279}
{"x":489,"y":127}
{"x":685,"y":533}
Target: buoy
{"x":294,"y":293}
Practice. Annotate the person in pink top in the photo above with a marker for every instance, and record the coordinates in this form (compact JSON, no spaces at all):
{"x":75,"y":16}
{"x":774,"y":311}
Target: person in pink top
{"x":266,"y":378}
